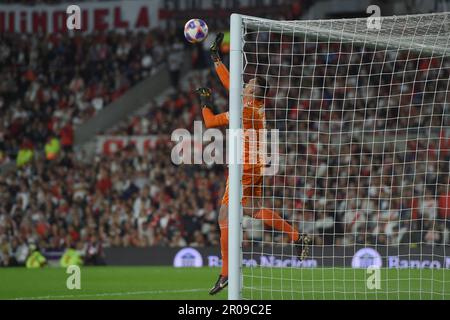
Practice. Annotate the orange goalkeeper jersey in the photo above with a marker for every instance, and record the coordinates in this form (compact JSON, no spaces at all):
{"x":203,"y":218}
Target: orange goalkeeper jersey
{"x":253,"y":120}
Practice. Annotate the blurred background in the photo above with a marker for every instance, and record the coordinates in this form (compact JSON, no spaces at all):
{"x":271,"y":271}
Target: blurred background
{"x":85,"y":124}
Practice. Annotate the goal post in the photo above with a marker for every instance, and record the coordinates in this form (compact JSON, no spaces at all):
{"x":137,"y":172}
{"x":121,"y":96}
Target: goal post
{"x":363,"y":116}
{"x":234,"y":156}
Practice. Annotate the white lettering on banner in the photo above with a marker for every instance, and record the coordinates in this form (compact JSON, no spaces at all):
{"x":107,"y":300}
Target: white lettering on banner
{"x":366,"y":257}
{"x":111,"y":144}
{"x":271,"y":261}
{"x":396,"y":262}
{"x":393,"y":262}
{"x":95,"y":16}
{"x":188,"y":257}
{"x":249,"y":262}
{"x":214,"y":261}
{"x":267,"y":261}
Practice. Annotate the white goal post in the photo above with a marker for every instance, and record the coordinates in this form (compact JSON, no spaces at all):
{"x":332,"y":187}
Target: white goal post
{"x":363,"y":113}
{"x":234,"y":154}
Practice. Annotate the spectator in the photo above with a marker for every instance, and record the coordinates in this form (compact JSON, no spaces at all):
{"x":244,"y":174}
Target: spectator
{"x":342,"y":178}
{"x":66,"y":135}
{"x":71,"y":257}
{"x":35,"y":259}
{"x":444,"y":203}
{"x":25,"y":154}
{"x":52,"y":148}
{"x":429,"y":207}
{"x":175,"y":61}
{"x":94,"y":254}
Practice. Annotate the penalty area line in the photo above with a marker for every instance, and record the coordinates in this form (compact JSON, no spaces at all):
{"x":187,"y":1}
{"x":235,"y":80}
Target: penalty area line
{"x":111,"y":294}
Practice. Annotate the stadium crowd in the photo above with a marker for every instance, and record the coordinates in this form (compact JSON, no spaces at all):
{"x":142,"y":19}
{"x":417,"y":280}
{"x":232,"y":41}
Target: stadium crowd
{"x":51,"y":84}
{"x":357,"y":165}
{"x":364,"y":140}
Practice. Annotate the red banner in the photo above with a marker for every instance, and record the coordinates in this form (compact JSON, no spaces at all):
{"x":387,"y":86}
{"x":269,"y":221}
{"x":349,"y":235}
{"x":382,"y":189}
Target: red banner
{"x":95,"y":16}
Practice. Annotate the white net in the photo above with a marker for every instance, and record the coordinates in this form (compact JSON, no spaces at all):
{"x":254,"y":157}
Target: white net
{"x":363,"y":118}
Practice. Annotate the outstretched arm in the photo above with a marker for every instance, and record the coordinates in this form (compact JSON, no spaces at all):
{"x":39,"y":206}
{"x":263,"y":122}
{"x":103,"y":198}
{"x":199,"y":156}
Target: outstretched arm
{"x":211,"y":120}
{"x":221,"y":69}
{"x":214,"y":120}
{"x":223,"y":74}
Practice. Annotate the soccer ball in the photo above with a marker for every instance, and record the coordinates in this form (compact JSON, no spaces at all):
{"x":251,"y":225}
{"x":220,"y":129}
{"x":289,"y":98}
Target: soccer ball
{"x":195,"y":30}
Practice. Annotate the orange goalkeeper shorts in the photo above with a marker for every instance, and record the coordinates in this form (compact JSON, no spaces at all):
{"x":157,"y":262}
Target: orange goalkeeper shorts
{"x":251,"y":187}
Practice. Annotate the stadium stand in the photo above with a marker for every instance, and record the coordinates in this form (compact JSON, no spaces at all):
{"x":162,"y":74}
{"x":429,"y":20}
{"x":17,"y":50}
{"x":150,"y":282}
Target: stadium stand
{"x":87,"y":73}
{"x":133,"y":199}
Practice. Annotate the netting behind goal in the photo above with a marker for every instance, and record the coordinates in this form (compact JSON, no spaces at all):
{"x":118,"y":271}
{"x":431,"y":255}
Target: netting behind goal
{"x":362,"y":115}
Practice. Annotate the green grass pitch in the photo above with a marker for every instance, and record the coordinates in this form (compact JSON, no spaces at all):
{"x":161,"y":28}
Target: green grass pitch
{"x":193,"y":283}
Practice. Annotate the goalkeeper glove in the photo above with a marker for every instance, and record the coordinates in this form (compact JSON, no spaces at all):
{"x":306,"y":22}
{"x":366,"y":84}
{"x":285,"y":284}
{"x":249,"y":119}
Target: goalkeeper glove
{"x":205,"y":96}
{"x":215,"y":47}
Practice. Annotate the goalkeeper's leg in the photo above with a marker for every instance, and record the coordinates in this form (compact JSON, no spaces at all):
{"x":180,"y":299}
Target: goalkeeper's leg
{"x":253,"y":207}
{"x":275,"y":221}
{"x":222,"y":281}
{"x":269,"y":217}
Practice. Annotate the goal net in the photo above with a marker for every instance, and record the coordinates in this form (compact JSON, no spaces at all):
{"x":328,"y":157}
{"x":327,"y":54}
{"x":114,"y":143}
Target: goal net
{"x":362,"y":115}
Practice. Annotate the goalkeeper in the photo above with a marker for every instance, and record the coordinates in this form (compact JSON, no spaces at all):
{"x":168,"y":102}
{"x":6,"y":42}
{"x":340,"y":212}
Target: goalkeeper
{"x":253,"y":118}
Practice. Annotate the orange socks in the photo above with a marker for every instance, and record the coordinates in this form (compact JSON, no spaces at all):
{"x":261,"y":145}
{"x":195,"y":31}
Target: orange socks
{"x":224,"y":246}
{"x":272,"y":219}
